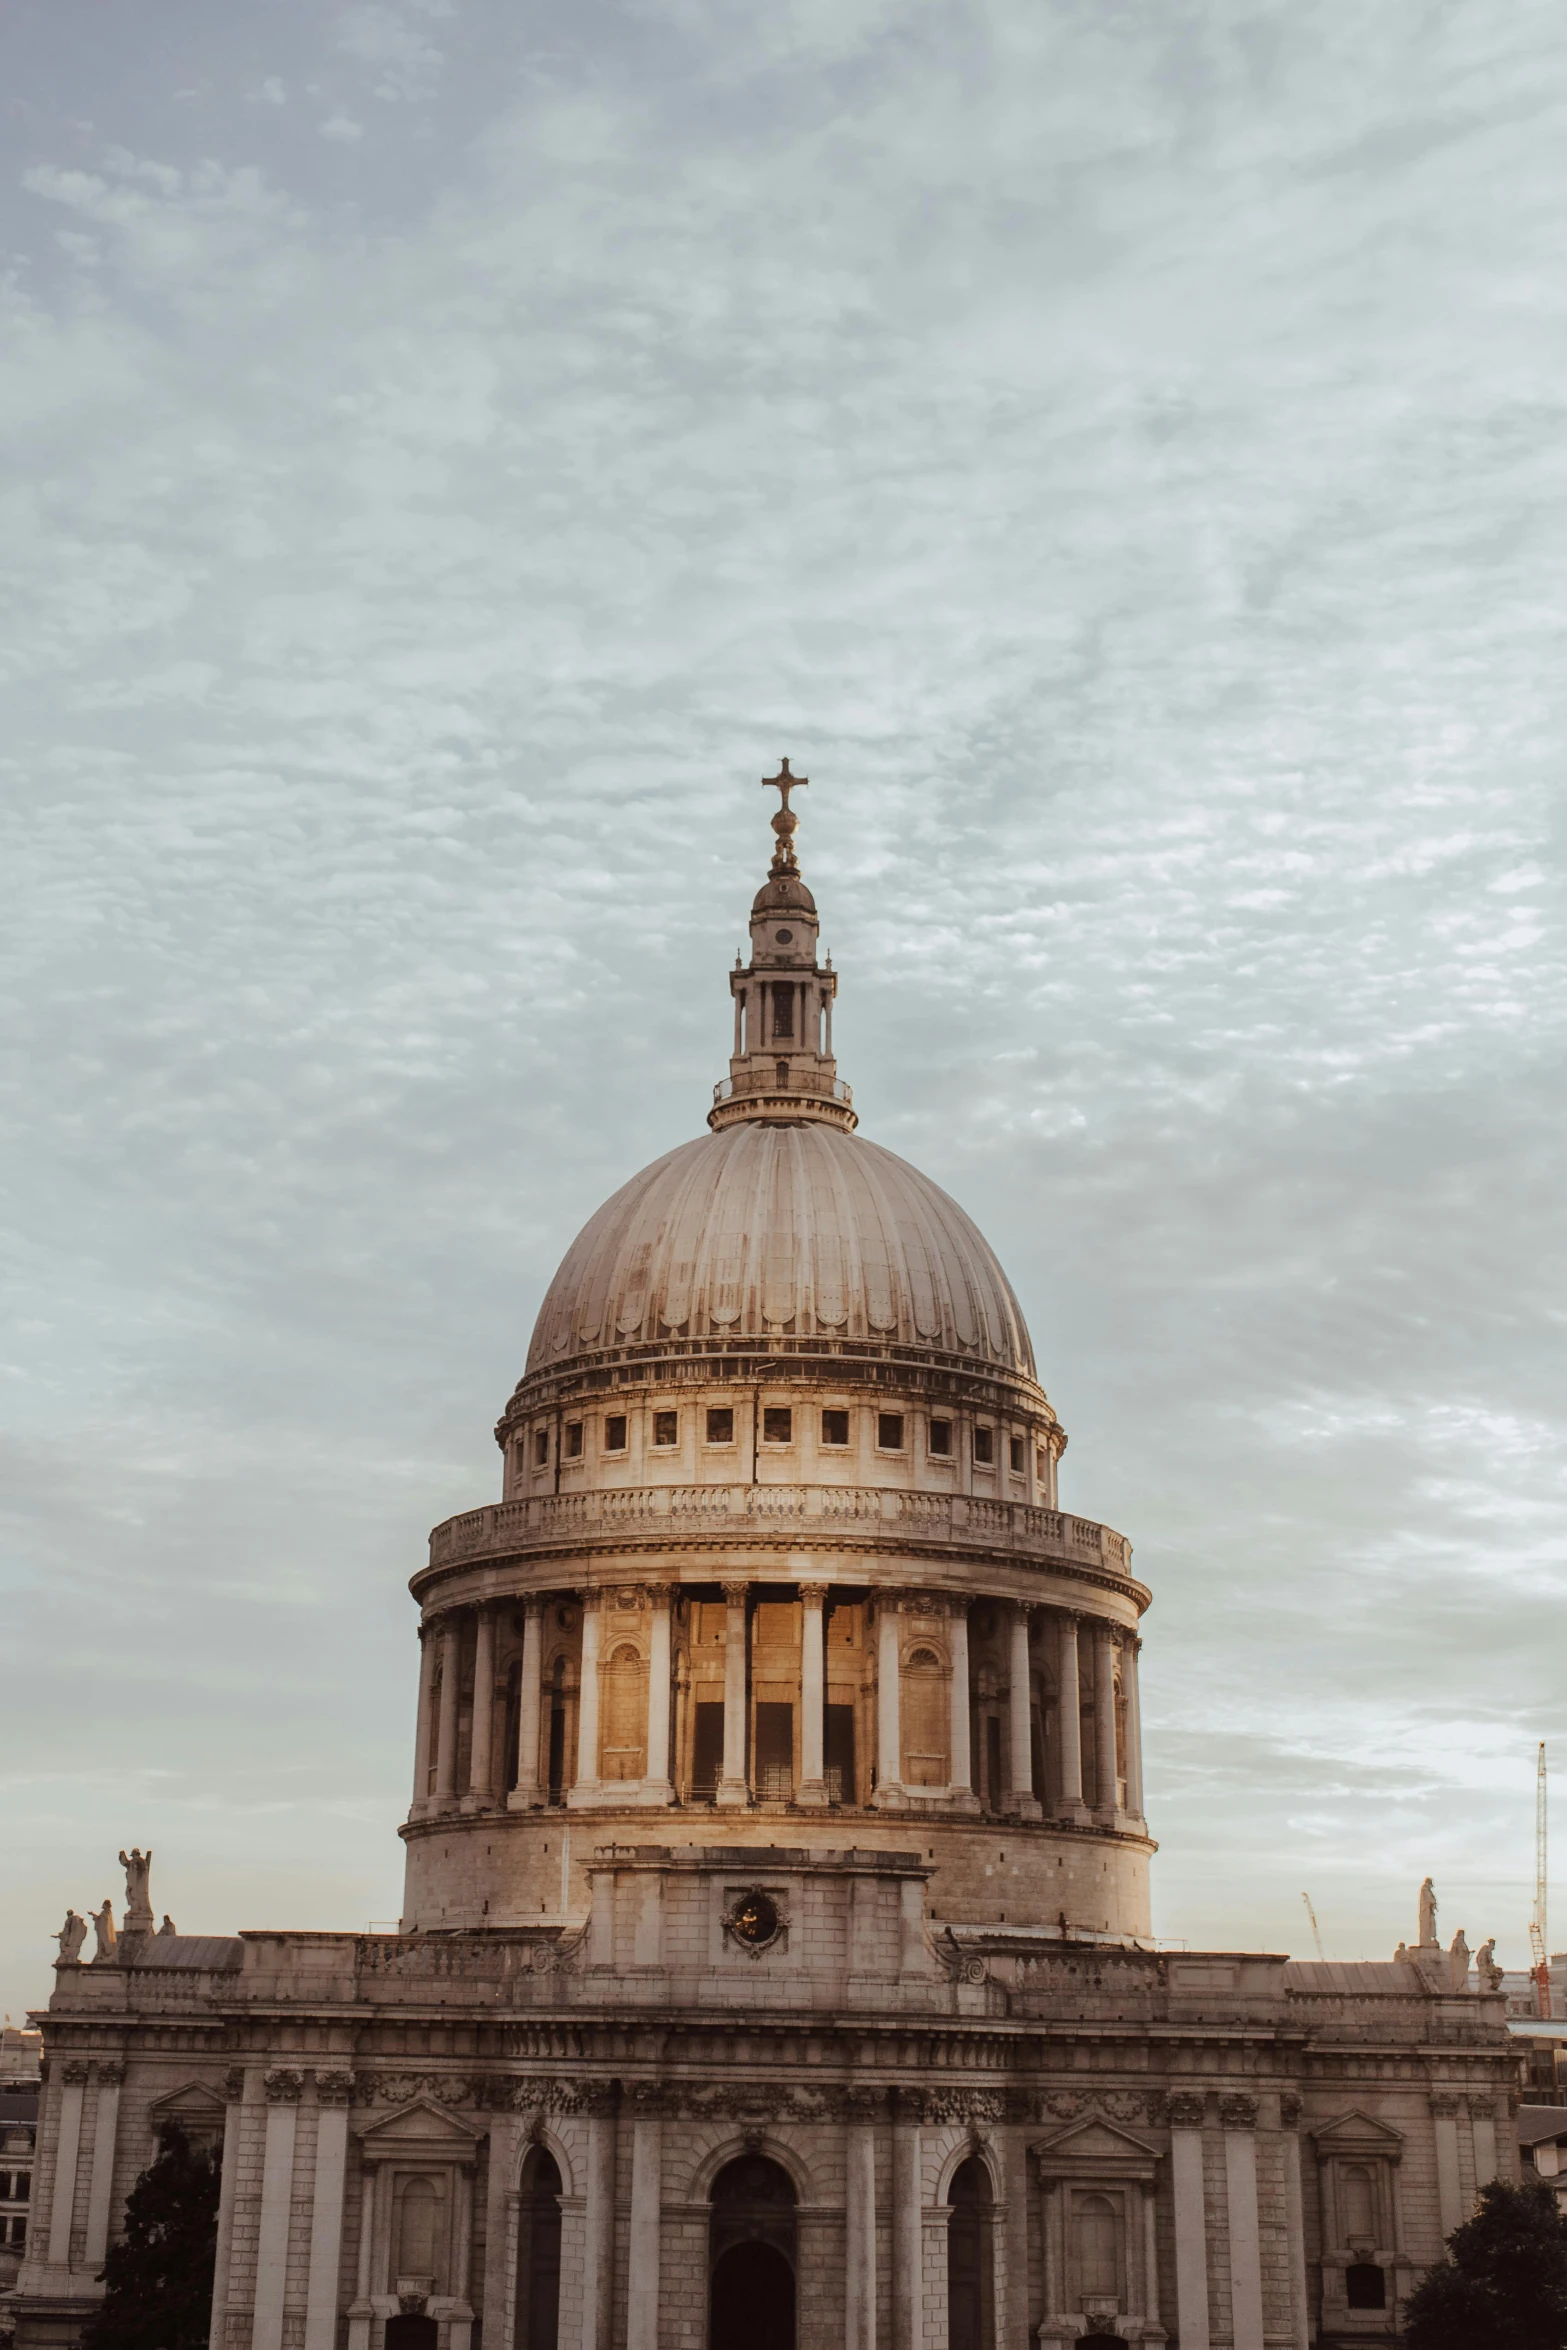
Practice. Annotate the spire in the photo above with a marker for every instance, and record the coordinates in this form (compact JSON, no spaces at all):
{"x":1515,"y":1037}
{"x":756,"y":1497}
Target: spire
{"x":782,"y":1066}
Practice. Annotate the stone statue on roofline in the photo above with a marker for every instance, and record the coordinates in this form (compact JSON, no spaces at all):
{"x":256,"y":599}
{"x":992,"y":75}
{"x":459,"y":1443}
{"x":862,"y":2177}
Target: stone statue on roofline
{"x":1428,"y":1940}
{"x":103,"y":1927}
{"x":70,"y":1938}
{"x":138,"y":1905}
{"x":1458,"y":1961}
{"x":1489,"y":1972}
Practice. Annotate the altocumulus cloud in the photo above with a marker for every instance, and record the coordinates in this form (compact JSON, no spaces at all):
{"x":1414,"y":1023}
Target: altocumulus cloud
{"x":1119,"y":455}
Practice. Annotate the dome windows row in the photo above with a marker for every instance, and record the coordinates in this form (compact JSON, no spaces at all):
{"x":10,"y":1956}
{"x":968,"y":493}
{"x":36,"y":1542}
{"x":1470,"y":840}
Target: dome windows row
{"x":832,"y":1437}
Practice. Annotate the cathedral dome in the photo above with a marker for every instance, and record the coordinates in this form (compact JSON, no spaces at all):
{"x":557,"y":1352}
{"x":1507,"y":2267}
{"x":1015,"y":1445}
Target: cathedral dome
{"x":769,"y":1228}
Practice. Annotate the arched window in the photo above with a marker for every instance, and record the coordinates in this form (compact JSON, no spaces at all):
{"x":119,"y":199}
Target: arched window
{"x":625,"y":1716}
{"x":970,"y":2284}
{"x":1097,"y":2244}
{"x":538,"y":2253}
{"x":416,"y":2220}
{"x":752,"y":2252}
{"x":926,"y":1719}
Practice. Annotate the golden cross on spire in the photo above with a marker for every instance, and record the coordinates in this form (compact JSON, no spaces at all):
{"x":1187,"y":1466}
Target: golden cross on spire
{"x":784,"y":782}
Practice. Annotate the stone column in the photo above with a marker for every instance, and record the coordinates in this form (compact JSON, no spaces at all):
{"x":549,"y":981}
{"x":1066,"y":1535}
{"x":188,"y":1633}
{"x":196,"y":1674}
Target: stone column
{"x":1150,"y":2256}
{"x":1073,"y":1807}
{"x":100,"y":2192}
{"x":1191,"y":2221}
{"x":334,"y":2093}
{"x":1239,"y":2116}
{"x":1011,"y":2277}
{"x":586,"y":1787}
{"x":528,"y":1793}
{"x":233,"y":2119}
{"x":908,"y":2300}
{"x":480,"y":1763}
{"x":859,"y":2313}
{"x":1020,"y":1745}
{"x":889,"y":1725}
{"x":960,"y":1784}
{"x":421,"y":1795}
{"x":1105,"y":1773}
{"x":813,"y":1696}
{"x":733,"y":1788}
{"x":446,"y":1734}
{"x":277,"y":2187}
{"x":1295,"y":2225}
{"x":500,"y":2233}
{"x":1482,"y":2122}
{"x":657,"y":1786}
{"x":1449,"y":2192}
{"x":67,"y":2154}
{"x":1131,"y":1650}
{"x":598,"y":2233}
{"x":647,"y":2202}
{"x":361,"y":2314}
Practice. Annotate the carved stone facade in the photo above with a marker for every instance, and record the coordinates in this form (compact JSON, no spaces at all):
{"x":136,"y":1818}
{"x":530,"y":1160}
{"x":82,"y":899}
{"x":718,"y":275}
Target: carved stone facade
{"x":776,"y":1964}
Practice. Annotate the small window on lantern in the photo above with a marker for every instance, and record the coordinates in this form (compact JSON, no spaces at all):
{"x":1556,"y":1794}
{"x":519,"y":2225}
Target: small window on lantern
{"x":1016,"y":1453}
{"x":666,"y":1428}
{"x":835,"y":1427}
{"x":984,"y":1445}
{"x":541,"y":1447}
{"x":941,"y":1440}
{"x":573,"y":1440}
{"x":615,"y":1432}
{"x":777,"y":1424}
{"x":889,"y":1431}
{"x":721,"y":1424}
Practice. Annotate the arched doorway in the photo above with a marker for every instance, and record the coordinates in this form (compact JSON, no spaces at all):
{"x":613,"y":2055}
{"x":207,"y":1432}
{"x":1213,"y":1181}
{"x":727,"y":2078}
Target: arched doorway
{"x":751,"y":2257}
{"x":538,"y":2253}
{"x":971,"y":2321}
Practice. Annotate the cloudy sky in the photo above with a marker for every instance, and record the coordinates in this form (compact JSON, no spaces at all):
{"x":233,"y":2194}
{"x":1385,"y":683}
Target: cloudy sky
{"x":1116,"y":448}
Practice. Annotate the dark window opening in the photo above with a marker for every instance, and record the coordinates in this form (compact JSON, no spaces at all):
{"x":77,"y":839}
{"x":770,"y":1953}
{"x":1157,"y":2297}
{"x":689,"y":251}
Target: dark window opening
{"x":889,"y":1431}
{"x":707,"y":1750}
{"x":721,"y":1425}
{"x":984,"y":1444}
{"x":615,"y":1432}
{"x":573,"y":1440}
{"x":835,"y":1427}
{"x":513,"y":1723}
{"x":994,"y":1790}
{"x":557,"y":1763}
{"x":1042,"y":1470}
{"x":666,"y":1427}
{"x":941,"y":1438}
{"x":781,"y":1073}
{"x":410,"y":2332}
{"x":838,"y":1754}
{"x":783,"y":1011}
{"x":778,"y":1424}
{"x":1365,"y":2285}
{"x":774,"y":1752}
{"x":970,"y":2314}
{"x":541,"y":1446}
{"x":752,"y":2251}
{"x":1016,"y":1453}
{"x":538,"y":2252}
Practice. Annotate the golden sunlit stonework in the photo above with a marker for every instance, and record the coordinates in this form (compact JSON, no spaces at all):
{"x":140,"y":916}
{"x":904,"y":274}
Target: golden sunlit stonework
{"x":775,"y":1966}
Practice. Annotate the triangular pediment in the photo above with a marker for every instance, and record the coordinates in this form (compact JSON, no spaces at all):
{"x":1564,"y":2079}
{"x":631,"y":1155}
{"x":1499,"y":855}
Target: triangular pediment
{"x":194,"y":2102}
{"x":1360,"y":2132}
{"x":1093,"y":2142}
{"x":423,"y":2124}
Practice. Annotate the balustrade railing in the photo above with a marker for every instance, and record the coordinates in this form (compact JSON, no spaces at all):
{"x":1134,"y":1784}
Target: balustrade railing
{"x":965,"y":1521}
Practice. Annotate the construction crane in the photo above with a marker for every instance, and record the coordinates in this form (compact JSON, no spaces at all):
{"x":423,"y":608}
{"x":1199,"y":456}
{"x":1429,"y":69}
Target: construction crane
{"x":1316,"y":1930}
{"x":1540,"y":1970}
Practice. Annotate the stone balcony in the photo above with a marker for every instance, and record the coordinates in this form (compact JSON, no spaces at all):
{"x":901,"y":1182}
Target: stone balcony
{"x":958,"y":1525}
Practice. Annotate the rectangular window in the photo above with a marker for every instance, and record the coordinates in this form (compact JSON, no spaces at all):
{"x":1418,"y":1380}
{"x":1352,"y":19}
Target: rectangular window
{"x":615,"y":1432}
{"x":573,"y":1440}
{"x":941,"y":1439}
{"x":1018,"y":1456}
{"x":721,"y":1425}
{"x":1042,"y":1469}
{"x":889,"y":1431}
{"x":666,"y":1427}
{"x":838,"y":1752}
{"x":707,"y":1750}
{"x":541,"y":1447}
{"x":835,"y":1427}
{"x":984,"y":1444}
{"x":774,"y":1752}
{"x":777,"y":1424}
{"x":783,"y":1012}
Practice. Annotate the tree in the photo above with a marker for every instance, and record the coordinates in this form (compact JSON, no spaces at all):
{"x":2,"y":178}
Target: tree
{"x":1503,"y":2285}
{"x":159,"y":2274}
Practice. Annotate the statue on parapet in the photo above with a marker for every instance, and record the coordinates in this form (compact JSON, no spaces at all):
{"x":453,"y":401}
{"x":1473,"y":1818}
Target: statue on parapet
{"x":1486,"y":1967}
{"x":138,"y":1905}
{"x":1458,"y":1961}
{"x":70,"y":1938}
{"x":1428,"y":1940}
{"x":103,"y":1927}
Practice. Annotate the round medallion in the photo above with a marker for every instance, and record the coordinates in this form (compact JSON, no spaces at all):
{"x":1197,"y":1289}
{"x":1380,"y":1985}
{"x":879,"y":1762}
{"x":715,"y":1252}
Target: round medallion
{"x":754,"y":1920}
{"x":784,"y":937}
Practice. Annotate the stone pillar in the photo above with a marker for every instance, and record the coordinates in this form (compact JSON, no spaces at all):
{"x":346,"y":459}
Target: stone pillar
{"x":422,"y":1726}
{"x":1482,"y":2121}
{"x":277,"y":2187}
{"x":528,"y":1793}
{"x":233,"y":2118}
{"x":1295,"y":2225}
{"x":1191,"y":2221}
{"x":67,"y":2154}
{"x":813,"y":1695}
{"x":1239,"y":2116}
{"x":1073,"y":1807}
{"x":1105,"y":1773}
{"x":1011,"y":2277}
{"x":586,"y":1787}
{"x":501,"y":2202}
{"x":732,"y":1786}
{"x":361,"y":2314}
{"x":1449,"y":2191}
{"x":1150,"y":2256}
{"x":334,"y":2093}
{"x":100,"y":2192}
{"x":1020,"y":1745}
{"x":480,"y":1763}
{"x":657,"y":1786}
{"x":647,"y":2202}
{"x":859,"y":2311}
{"x":889,"y":1725}
{"x":598,"y":2233}
{"x":1131,"y":1650}
{"x":446,"y":1734}
{"x":960,"y":1784}
{"x":908,"y":2300}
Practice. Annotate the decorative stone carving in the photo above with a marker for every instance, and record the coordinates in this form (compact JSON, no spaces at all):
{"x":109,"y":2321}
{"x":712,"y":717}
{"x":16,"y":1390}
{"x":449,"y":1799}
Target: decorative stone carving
{"x":1188,"y":2110}
{"x":1289,"y":2111}
{"x":110,"y":2075}
{"x":234,"y":2083}
{"x":73,"y":2072}
{"x":1441,"y":2103}
{"x":1238,"y":2113}
{"x":335,"y":2088}
{"x":284,"y":2086}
